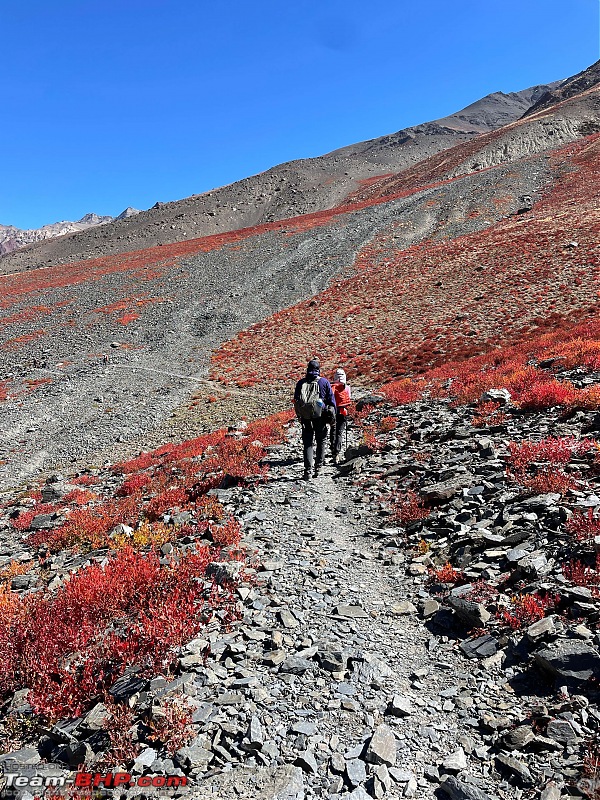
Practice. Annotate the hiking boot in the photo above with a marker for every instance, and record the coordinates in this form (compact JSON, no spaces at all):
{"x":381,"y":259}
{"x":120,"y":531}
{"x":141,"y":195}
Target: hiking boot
{"x":306,"y":475}
{"x":316,"y":472}
{"x":334,"y":461}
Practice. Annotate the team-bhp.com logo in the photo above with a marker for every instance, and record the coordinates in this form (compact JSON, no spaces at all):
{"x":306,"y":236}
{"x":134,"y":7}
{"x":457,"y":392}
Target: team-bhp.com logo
{"x":90,"y":780}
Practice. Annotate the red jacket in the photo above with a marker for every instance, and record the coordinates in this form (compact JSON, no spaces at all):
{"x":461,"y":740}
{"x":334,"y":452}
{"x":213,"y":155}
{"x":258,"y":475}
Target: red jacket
{"x":343,"y":397}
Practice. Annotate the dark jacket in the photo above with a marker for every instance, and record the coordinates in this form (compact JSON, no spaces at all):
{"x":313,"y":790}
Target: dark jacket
{"x":325,"y":390}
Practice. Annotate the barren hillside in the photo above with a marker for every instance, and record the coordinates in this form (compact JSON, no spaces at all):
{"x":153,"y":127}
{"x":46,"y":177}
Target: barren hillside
{"x":287,"y":190}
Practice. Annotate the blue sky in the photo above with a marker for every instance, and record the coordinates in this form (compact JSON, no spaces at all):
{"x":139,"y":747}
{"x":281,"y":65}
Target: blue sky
{"x":110,"y":103}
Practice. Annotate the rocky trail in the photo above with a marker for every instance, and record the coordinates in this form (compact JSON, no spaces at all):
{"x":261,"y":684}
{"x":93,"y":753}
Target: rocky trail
{"x":358,"y":694}
{"x":449,"y":653}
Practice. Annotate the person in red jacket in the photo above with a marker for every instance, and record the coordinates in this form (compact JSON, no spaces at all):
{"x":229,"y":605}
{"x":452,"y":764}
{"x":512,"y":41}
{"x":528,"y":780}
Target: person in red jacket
{"x":343,"y":398}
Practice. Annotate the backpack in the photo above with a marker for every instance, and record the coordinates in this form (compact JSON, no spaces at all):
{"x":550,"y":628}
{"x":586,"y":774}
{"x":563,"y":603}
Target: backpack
{"x":309,"y":405}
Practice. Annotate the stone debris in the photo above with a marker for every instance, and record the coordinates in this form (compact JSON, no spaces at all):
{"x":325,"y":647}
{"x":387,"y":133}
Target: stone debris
{"x":362,"y":665}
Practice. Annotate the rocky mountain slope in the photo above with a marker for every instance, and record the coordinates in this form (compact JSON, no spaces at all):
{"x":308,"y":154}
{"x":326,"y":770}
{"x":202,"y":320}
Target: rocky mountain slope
{"x":451,"y":239}
{"x":421,"y":621}
{"x":12,"y":238}
{"x":298,"y":187}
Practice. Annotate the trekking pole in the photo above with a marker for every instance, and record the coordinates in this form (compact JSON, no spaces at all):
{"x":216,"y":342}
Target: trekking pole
{"x":347,"y":426}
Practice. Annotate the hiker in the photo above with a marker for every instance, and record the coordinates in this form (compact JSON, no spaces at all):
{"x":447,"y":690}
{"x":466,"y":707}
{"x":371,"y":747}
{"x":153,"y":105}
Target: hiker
{"x":314,"y":402}
{"x":343,"y":397}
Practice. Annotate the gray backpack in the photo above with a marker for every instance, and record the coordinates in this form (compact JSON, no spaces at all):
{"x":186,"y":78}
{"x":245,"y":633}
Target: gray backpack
{"x":310,"y":405}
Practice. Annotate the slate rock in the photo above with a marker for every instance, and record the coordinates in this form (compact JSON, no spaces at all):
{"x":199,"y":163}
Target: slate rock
{"x":473,"y":614}
{"x":542,"y":629}
{"x":332,"y":660}
{"x":561,"y":730}
{"x":350,"y":612}
{"x":356,"y":771}
{"x":359,"y":794}
{"x":287,"y":619}
{"x":569,"y":660}
{"x":255,"y":734}
{"x":402,"y":608}
{"x":501,"y":396}
{"x":456,"y":789}
{"x":126,"y":686}
{"x":296,"y":665}
{"x":382,"y":747}
{"x":446,"y":490}
{"x":286,"y":783}
{"x":481,"y":647}
{"x":518,"y":738}
{"x":307,"y":762}
{"x":455,"y":762}
{"x":400,"y":706}
{"x":515,"y":769}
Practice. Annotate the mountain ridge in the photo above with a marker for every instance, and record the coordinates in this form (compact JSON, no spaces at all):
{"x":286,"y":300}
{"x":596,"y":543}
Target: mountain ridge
{"x":285,"y":190}
{"x":13,"y":238}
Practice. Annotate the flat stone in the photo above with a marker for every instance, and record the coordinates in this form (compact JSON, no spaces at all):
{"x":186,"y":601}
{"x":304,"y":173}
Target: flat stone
{"x":306,"y":728}
{"x":561,"y":731}
{"x":515,"y":768}
{"x":400,"y":775}
{"x":541,"y":629}
{"x":296,"y":665}
{"x":518,"y":738}
{"x":96,"y":718}
{"x":403,"y":608}
{"x":194,"y":756}
{"x":287,"y":619}
{"x":350,"y":612}
{"x":145,"y":759}
{"x":356,"y":772}
{"x":570,"y":660}
{"x":429,"y":608}
{"x":255,"y":733}
{"x":456,"y":789}
{"x":358,"y":794}
{"x":501,"y":396}
{"x":307,"y":762}
{"x":23,"y":757}
{"x":446,"y":490}
{"x":286,"y":783}
{"x":382,"y":747}
{"x":229,"y":699}
{"x":126,"y":686}
{"x":455,"y":762}
{"x":333,"y":660}
{"x":400,"y":706}
{"x":473,"y":614}
{"x":482,"y":647}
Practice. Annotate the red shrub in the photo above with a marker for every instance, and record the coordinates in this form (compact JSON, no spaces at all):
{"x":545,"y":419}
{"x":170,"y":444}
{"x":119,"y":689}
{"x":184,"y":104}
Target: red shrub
{"x":582,"y":575}
{"x":68,"y":647}
{"x":447,"y":574}
{"x":25,"y":518}
{"x":134,"y":485}
{"x":408,"y":507}
{"x":228,"y":534}
{"x":542,"y":395}
{"x":526,"y":609}
{"x":584,"y":526}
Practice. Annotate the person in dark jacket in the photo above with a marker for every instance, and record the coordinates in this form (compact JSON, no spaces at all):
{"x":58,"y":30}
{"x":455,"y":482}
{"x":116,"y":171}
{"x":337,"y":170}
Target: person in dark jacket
{"x":315,"y":428}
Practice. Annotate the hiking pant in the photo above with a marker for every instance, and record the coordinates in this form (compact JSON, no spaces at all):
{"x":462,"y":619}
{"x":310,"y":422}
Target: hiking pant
{"x":337,"y":433}
{"x":313,"y":429}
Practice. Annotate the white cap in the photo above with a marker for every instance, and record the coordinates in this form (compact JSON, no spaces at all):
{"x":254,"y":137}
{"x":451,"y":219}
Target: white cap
{"x":340,"y":376}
